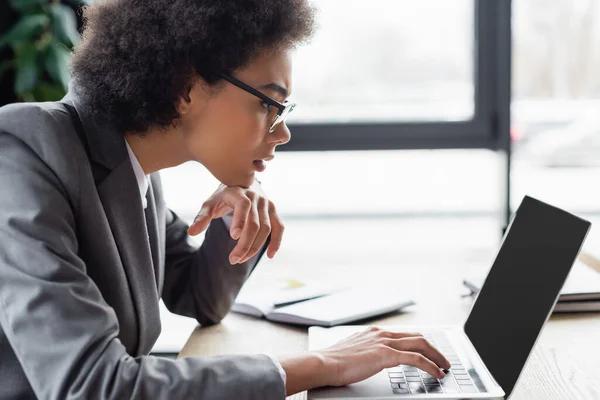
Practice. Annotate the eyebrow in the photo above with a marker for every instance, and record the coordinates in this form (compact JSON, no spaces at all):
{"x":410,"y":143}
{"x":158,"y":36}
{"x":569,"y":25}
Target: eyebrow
{"x":276,"y":88}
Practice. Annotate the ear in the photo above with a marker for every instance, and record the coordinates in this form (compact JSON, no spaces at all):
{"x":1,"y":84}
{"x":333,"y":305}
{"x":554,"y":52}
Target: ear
{"x":185,"y":101}
{"x":193,"y":96}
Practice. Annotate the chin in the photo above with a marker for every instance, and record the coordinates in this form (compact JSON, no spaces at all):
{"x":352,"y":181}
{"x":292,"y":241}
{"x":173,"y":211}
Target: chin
{"x":244,"y":181}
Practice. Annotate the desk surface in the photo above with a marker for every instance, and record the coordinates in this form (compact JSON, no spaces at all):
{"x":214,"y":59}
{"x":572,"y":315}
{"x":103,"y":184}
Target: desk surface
{"x":564,"y":365}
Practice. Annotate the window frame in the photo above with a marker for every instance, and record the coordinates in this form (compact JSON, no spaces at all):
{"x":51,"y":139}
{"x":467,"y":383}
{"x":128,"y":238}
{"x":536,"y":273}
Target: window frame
{"x":488,"y":129}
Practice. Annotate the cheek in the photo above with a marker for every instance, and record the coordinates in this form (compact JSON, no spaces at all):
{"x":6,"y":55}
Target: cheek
{"x":233,"y":137}
{"x":221,"y":128}
{"x":226,"y":144}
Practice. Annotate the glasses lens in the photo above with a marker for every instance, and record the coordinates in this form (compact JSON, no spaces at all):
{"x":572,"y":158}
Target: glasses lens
{"x":289,"y":107}
{"x":272,"y":118}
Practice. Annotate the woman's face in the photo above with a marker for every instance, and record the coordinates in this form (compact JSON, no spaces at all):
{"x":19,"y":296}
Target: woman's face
{"x":227,"y":129}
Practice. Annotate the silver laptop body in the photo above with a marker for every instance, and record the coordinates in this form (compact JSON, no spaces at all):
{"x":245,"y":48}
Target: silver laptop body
{"x":489,"y":352}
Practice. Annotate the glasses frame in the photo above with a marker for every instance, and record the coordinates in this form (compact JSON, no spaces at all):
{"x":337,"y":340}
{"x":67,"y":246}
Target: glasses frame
{"x":282,"y":109}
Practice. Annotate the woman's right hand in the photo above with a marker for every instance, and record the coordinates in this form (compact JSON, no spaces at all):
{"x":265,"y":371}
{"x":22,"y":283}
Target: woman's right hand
{"x":361,"y":356}
{"x":366,"y":353}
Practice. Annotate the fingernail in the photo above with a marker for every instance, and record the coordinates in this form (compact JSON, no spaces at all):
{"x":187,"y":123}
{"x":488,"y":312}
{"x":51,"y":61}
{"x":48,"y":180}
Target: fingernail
{"x":236,"y":233}
{"x":234,"y":260}
{"x":201,"y":214}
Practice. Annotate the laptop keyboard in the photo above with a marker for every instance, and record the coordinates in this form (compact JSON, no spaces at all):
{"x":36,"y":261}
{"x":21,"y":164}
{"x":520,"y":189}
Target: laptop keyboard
{"x":410,"y":380}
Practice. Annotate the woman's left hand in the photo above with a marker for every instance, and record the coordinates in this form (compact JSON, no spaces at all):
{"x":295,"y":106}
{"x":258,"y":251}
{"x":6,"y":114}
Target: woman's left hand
{"x":254,"y":218}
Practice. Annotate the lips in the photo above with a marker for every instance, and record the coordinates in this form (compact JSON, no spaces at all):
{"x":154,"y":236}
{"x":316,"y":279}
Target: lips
{"x":261,"y":164}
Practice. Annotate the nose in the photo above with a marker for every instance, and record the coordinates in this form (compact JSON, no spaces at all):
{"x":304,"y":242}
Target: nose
{"x":280,"y":135}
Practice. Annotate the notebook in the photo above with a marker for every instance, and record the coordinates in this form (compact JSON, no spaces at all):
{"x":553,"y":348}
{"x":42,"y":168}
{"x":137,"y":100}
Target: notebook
{"x":259,"y":303}
{"x":581,"y":291}
{"x":341,"y":307}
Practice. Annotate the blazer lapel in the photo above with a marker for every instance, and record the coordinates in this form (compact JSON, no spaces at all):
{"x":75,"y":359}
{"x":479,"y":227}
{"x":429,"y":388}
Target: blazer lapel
{"x":122,"y":204}
{"x":157,"y":204}
{"x":123,"y":207}
{"x":153,"y":234}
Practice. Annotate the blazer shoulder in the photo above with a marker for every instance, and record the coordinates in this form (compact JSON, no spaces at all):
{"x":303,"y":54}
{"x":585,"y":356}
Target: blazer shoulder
{"x":36,"y":122}
{"x":46,"y":128}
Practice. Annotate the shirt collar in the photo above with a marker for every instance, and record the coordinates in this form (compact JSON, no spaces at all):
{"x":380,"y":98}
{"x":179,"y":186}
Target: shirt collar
{"x":142,"y":180}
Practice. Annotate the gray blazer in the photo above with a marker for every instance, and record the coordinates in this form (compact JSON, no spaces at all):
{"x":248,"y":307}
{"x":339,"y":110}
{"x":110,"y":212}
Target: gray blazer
{"x":81,"y":274}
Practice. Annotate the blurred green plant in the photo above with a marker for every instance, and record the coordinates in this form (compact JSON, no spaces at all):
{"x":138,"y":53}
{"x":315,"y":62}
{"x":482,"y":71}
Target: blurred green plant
{"x":41,"y":41}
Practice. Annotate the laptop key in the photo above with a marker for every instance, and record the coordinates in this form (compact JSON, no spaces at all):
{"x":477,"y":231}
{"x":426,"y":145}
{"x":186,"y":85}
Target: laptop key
{"x":468,"y":389}
{"x":395,"y":374}
{"x":400,"y":391}
{"x":397,"y":380}
{"x":413,"y":379}
{"x":450,"y":382}
{"x":412,"y":373}
{"x":417,"y":388}
{"x":462,"y":377}
{"x":399,"y":386}
{"x":433,"y":389}
{"x":431,"y":381}
{"x":465,"y":383}
{"x":451,"y":389}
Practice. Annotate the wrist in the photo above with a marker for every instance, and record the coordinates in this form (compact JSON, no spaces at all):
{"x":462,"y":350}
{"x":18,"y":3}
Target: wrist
{"x":305,"y":371}
{"x":323,"y":371}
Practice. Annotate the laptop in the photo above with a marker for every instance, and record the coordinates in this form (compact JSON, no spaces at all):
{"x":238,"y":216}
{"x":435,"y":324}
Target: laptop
{"x":489,"y":352}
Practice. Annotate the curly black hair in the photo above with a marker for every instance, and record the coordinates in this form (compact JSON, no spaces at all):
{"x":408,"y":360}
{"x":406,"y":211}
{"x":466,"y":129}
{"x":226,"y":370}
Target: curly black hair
{"x":139,"y":57}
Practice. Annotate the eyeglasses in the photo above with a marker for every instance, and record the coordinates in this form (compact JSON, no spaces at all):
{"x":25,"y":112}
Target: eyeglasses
{"x":273,"y":118}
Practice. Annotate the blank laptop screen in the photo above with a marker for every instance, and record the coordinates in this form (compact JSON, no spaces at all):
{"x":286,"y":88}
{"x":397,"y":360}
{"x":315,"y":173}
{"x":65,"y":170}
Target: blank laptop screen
{"x":536,"y":255}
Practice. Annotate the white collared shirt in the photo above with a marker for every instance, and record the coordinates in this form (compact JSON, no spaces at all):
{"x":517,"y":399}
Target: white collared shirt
{"x":143,"y":180}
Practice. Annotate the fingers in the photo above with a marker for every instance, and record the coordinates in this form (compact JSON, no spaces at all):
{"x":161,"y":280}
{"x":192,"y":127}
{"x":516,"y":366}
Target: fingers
{"x":419,"y":361}
{"x":391,"y":334}
{"x":419,"y":345}
{"x":264,"y":230}
{"x":202,"y":220}
{"x":253,"y":219}
{"x":220,"y":203}
{"x":402,"y":335}
{"x":242,"y":206}
{"x":248,"y":235}
{"x":277,"y":229}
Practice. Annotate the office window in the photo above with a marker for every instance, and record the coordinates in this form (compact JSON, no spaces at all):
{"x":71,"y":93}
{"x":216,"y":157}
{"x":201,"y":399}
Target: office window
{"x":400,"y":74}
{"x":387,"y":61}
{"x":556,"y":102}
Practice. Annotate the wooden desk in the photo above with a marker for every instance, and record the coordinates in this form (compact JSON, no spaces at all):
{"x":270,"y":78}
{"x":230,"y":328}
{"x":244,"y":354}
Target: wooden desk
{"x":564,"y":365}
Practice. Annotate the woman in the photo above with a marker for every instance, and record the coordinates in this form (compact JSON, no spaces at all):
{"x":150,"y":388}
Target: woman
{"x":87,"y":245}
